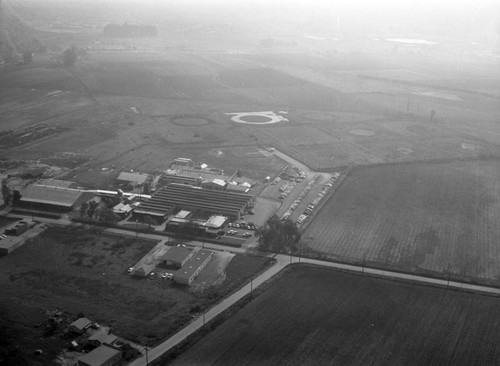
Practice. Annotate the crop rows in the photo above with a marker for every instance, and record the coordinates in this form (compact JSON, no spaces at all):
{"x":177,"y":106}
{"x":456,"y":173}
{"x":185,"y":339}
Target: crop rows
{"x":418,"y":217}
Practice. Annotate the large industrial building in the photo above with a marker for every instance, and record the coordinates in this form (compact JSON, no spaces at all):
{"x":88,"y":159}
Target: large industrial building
{"x":195,"y":199}
{"x":41,"y":197}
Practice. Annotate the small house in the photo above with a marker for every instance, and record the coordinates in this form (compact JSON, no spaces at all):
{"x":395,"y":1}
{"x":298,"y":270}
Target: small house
{"x":101,"y":356}
{"x":80,"y":325}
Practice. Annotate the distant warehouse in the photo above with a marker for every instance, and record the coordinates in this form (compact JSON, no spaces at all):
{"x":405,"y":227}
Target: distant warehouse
{"x":196,"y":199}
{"x":52,"y":198}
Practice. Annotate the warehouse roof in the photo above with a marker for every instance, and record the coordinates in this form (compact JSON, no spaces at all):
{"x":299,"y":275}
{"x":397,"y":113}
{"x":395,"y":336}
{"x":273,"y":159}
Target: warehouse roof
{"x":177,"y":254}
{"x":137,"y":178}
{"x":103,"y":337}
{"x":198,"y":258}
{"x":66,"y":197}
{"x":99,"y":356}
{"x":215,"y":221}
{"x":58,"y":183}
{"x":81,"y":323}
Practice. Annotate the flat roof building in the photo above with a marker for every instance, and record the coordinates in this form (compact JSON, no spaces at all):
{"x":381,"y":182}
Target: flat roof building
{"x":136,"y":179}
{"x":57,"y":183}
{"x":193,"y":267}
{"x":198,"y":200}
{"x":80,"y":325}
{"x":177,"y":256}
{"x":101,"y":356}
{"x":52,"y":198}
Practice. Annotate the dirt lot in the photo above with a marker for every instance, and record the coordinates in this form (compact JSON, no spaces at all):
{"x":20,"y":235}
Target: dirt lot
{"x":322,"y":317}
{"x":80,"y":270}
{"x":429,"y":218}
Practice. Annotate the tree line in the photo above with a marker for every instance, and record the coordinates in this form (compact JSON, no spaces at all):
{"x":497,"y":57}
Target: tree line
{"x":279,"y":236}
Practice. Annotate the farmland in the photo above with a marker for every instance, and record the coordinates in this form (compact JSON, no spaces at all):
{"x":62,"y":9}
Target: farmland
{"x":433,"y":218}
{"x":77,"y":270}
{"x":322,"y":317}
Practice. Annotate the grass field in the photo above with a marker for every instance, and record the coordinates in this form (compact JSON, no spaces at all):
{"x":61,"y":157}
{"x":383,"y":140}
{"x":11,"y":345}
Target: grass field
{"x":79,"y":270}
{"x":314,"y":316}
{"x":423,"y":217}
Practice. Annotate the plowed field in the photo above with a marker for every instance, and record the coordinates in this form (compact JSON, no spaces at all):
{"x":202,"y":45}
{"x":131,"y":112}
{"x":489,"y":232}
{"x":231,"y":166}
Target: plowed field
{"x":314,"y":316}
{"x":424,"y":217}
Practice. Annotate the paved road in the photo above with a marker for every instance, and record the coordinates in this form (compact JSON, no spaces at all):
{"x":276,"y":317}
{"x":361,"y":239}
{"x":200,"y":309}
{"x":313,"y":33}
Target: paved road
{"x":282,"y":261}
{"x":154,"y":353}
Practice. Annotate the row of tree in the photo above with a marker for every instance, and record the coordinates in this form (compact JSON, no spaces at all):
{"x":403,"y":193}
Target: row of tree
{"x":94,"y":210}
{"x":10,"y":196}
{"x":279,"y":236}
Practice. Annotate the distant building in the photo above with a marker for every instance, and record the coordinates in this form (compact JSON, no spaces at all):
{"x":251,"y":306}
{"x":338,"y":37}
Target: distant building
{"x":215,"y":222}
{"x":16,"y":228}
{"x":193,"y":267}
{"x":52,"y":198}
{"x":103,"y":338}
{"x":122,"y":210}
{"x":176,"y":257}
{"x":218,"y":184}
{"x":80,"y":325}
{"x":101,"y":356}
{"x":183,"y":162}
{"x":57,"y":183}
{"x":237,"y":188}
{"x":134,"y":179}
{"x":198,"y":200}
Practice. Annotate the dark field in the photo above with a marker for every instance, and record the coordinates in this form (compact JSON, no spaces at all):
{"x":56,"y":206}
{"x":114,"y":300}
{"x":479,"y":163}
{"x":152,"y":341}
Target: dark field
{"x":77,"y":270}
{"x":434,"y":218}
{"x":313,"y":316}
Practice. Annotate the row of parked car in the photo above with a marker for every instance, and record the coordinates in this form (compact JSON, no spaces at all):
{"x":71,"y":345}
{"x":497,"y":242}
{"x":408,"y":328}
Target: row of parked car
{"x":286,"y":189}
{"x":299,"y":199}
{"x":242,"y":225}
{"x":235,"y":233}
{"x":311,"y":206}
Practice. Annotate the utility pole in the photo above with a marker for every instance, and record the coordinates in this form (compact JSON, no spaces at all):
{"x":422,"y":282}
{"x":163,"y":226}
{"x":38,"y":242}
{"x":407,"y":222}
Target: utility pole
{"x":300,"y":249}
{"x":147,"y":360}
{"x":251,"y":286}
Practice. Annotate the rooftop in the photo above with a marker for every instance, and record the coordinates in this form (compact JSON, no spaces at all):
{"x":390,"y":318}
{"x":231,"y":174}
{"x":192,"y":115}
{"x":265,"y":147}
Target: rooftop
{"x":177,"y":254}
{"x":103,"y":337}
{"x":58,"y":183}
{"x":194,"y":263}
{"x":215,"y":221}
{"x":81,"y":323}
{"x":51,"y":195}
{"x":137,"y":178}
{"x":98,"y":356}
{"x":182,"y":214}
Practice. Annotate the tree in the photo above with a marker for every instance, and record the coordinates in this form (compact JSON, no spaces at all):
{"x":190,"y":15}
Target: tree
{"x":69,"y":56}
{"x":106,"y":215}
{"x":6,"y":192}
{"x":16,"y":197}
{"x":277,"y":235}
{"x":83,"y":209}
{"x":92,"y":208}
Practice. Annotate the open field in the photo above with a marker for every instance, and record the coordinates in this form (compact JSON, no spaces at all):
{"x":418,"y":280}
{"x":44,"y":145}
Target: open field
{"x":80,"y":270}
{"x":139,"y":110}
{"x":314,"y":316}
{"x":434,"y":218}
